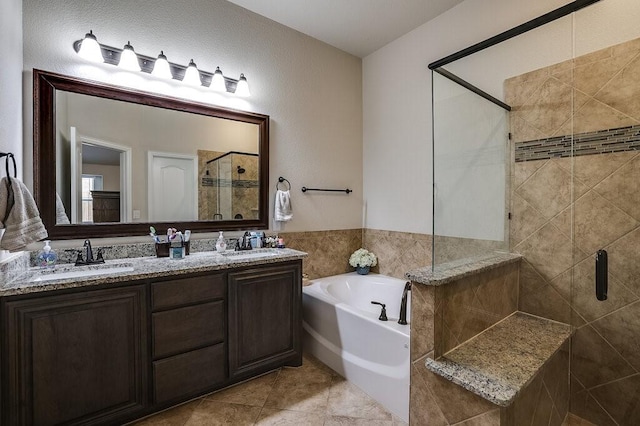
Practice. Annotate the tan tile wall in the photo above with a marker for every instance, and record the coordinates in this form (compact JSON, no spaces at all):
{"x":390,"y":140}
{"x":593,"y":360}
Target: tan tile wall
{"x":545,"y":400}
{"x":565,"y":209}
{"x":439,"y":402}
{"x":398,"y":252}
{"x":473,"y":304}
{"x":328,"y":251}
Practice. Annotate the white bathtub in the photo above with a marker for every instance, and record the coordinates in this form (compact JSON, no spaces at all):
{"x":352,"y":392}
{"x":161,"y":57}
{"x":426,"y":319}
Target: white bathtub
{"x":341,"y":329}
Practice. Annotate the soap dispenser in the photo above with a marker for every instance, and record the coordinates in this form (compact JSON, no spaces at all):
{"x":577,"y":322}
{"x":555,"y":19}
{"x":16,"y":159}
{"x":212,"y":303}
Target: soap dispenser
{"x":221,"y":244}
{"x":47,"y":257}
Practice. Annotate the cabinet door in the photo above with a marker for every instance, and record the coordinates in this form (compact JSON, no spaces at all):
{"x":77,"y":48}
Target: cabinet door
{"x":264,"y":319}
{"x":78,"y":358}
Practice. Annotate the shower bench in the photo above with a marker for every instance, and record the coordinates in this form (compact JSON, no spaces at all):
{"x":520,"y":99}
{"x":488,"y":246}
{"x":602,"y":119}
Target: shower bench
{"x":476,"y":356}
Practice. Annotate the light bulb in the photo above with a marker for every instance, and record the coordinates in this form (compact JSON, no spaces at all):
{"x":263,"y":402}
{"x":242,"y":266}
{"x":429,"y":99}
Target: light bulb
{"x":242,"y":89}
{"x":161,"y":67}
{"x":217,"y":81}
{"x":192,"y":75}
{"x":129,"y":59}
{"x":90,"y":49}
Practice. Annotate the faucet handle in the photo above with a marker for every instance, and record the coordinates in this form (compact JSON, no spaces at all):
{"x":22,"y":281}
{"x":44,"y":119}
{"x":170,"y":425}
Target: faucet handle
{"x":99,"y":258}
{"x":79,"y":258}
{"x":383,"y":314}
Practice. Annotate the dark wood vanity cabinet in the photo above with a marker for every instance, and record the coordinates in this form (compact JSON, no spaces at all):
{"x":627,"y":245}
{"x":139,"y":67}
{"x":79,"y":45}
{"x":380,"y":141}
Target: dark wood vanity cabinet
{"x":109,"y":355}
{"x":265,"y":324}
{"x":76,"y":358}
{"x":188,"y":336}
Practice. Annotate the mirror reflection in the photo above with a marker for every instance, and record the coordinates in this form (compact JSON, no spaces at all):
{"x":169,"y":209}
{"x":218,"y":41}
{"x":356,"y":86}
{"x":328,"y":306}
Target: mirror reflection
{"x":126,"y":162}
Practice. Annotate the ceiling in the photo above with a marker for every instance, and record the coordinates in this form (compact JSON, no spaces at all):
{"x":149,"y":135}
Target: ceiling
{"x":359,"y":27}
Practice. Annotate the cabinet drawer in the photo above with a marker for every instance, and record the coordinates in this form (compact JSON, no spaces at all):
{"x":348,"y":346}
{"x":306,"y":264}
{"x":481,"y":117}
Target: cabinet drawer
{"x":184,"y":329}
{"x":186,"y":374}
{"x":185,"y":291}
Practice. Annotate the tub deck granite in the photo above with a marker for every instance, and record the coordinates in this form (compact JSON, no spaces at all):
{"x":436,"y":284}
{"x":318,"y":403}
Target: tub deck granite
{"x":452,"y":271}
{"x":499,"y":362}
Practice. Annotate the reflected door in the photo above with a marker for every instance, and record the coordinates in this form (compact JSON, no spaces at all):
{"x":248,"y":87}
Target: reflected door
{"x":172,"y":187}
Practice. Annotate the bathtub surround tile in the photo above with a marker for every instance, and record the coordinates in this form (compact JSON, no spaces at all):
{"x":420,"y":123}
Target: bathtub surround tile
{"x":397,"y":252}
{"x":490,"y":418}
{"x":422,"y":320}
{"x":328,"y":251}
{"x":474,"y":303}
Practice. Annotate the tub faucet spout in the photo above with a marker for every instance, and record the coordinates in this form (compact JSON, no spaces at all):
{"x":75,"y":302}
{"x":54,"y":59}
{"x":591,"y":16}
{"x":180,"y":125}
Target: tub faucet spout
{"x":403,"y":304}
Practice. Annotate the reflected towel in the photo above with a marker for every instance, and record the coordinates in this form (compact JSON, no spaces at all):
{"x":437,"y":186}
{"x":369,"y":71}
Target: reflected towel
{"x":20,"y":216}
{"x":282,"y":210}
{"x":61,"y":214}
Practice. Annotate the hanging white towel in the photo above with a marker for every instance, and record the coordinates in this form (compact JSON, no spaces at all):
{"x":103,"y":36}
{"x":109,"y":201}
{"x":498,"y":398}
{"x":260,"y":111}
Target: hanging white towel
{"x":282,"y":210}
{"x":19,"y":215}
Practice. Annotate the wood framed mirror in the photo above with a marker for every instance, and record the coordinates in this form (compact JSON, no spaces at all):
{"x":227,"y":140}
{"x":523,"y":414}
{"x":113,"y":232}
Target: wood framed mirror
{"x":112,"y":161}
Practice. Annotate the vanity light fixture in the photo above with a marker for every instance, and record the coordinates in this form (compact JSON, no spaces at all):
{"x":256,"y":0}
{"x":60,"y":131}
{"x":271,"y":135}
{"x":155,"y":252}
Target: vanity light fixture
{"x":161,"y":68}
{"x":90,"y":49}
{"x":129,"y":59}
{"x":217,"y":81}
{"x":242,"y":89}
{"x":192,"y":75}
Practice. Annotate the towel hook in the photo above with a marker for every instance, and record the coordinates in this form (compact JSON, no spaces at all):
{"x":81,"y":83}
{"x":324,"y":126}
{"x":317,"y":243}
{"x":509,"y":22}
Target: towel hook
{"x":283,"y":180}
{"x":9,"y":155}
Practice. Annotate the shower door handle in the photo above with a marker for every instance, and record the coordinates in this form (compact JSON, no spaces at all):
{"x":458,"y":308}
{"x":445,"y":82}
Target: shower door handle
{"x":602,"y":275}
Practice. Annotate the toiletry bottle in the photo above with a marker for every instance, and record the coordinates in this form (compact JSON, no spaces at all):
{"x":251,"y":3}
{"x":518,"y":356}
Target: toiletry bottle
{"x":221,"y":244}
{"x":47,"y":257}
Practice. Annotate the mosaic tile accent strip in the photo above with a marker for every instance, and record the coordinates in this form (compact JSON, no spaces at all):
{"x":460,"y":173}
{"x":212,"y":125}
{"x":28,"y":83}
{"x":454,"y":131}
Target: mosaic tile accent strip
{"x":600,"y":142}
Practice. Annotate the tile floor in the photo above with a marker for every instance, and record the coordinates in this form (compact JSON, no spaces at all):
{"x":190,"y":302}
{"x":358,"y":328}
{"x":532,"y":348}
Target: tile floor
{"x":309,"y":395}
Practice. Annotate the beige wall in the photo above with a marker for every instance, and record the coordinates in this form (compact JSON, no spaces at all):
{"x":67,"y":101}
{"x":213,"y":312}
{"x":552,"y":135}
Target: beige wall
{"x":311,"y":91}
{"x":11,"y":80}
{"x":110,"y":175}
{"x":397,"y":111}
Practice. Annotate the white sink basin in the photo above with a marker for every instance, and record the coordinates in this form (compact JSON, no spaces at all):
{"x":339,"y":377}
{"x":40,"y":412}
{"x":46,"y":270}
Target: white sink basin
{"x":51,"y":275}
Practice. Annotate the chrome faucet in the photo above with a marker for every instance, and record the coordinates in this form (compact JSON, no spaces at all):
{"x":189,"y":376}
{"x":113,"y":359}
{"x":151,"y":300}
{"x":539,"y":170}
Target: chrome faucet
{"x":403,"y":304}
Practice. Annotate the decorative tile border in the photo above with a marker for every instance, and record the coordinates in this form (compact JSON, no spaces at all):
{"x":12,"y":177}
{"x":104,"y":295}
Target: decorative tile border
{"x":600,"y":142}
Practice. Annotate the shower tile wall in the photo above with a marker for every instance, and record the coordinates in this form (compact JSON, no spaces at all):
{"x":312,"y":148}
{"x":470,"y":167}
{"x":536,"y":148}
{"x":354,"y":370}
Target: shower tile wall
{"x":566,"y":208}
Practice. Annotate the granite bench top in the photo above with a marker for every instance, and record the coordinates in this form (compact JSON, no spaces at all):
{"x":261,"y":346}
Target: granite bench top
{"x":144,"y":268}
{"x":452,"y":271}
{"x":497,"y":363}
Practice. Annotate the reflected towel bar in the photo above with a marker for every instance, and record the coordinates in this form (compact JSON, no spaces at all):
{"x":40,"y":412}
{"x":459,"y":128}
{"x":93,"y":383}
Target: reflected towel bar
{"x":305,"y":189}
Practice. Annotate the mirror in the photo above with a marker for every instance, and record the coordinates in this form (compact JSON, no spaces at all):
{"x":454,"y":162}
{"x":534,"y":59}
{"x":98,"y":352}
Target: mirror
{"x":110,"y":161}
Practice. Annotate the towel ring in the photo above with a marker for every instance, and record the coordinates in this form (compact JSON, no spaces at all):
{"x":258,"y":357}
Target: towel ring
{"x":283,"y":180}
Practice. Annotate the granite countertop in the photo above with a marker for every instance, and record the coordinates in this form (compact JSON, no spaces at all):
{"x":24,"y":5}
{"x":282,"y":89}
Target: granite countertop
{"x":452,"y":271}
{"x":143,"y":268}
{"x":497,"y":363}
